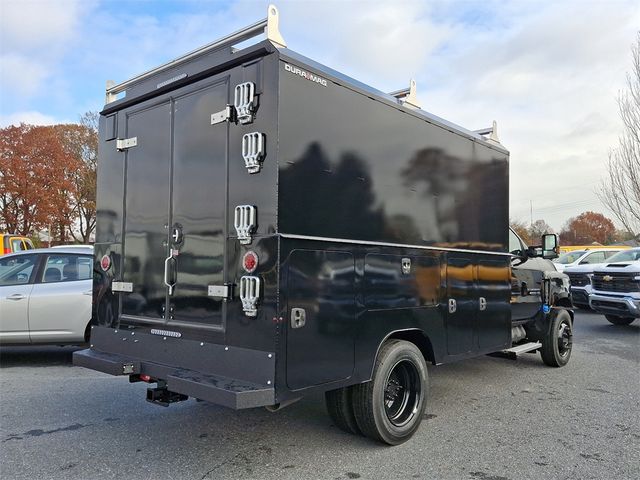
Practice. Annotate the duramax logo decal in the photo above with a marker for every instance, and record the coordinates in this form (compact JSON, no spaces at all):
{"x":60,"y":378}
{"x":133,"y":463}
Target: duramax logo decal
{"x":305,"y":74}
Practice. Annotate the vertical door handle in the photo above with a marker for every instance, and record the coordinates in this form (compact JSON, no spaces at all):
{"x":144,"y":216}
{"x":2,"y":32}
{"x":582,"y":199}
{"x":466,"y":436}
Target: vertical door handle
{"x":167,"y":281}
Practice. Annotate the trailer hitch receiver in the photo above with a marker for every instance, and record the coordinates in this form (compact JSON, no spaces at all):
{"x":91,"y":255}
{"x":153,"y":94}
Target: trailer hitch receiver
{"x":162,"y":396}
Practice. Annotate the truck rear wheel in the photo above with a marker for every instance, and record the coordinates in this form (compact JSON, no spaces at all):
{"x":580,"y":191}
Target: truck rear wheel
{"x":558,"y":342}
{"x":390,"y":407}
{"x":340,"y":408}
{"x":616,"y":320}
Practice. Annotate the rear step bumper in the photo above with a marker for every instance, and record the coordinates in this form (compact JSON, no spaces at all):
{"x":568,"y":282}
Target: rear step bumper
{"x":217,"y":389}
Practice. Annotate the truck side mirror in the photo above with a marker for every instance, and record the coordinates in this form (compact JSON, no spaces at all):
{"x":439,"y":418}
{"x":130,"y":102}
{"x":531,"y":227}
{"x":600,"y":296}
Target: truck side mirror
{"x":550,"y":246}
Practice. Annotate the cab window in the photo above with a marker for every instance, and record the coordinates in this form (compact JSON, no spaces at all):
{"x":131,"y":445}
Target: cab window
{"x":515,"y":245}
{"x":596,"y":257}
{"x":17,"y":269}
{"x":16,"y":245}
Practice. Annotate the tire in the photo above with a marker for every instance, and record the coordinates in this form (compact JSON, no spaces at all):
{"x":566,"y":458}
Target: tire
{"x":340,"y":408}
{"x":558,"y":341}
{"x":616,"y":320}
{"x":390,"y":407}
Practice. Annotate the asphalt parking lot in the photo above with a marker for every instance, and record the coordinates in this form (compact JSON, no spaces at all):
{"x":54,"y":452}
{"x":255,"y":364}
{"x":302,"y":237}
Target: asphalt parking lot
{"x":488,"y":419}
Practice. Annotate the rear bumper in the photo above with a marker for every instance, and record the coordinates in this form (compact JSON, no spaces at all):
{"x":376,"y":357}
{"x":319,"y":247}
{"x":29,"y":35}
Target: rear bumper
{"x":233,"y":377}
{"x":622,"y":306}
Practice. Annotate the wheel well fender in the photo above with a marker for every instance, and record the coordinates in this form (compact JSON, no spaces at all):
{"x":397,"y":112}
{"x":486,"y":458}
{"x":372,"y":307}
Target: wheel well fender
{"x":415,"y":336}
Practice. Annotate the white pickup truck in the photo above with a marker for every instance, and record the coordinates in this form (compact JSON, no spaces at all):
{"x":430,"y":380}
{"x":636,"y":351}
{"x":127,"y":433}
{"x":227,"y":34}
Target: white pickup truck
{"x":616,"y":288}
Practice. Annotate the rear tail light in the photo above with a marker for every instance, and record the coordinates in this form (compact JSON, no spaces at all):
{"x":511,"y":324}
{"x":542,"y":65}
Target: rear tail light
{"x":7,"y":250}
{"x":105,"y":262}
{"x":250,"y":261}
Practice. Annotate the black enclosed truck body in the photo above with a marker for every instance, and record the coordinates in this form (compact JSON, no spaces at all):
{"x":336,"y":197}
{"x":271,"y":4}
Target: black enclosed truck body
{"x":267,"y":227}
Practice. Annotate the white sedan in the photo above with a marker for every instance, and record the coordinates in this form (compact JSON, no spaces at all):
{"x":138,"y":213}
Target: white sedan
{"x":45,"y":296}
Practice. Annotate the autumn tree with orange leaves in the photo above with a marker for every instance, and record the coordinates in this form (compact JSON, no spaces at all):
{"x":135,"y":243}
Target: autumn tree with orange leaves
{"x":587,"y":228}
{"x":43,"y":171}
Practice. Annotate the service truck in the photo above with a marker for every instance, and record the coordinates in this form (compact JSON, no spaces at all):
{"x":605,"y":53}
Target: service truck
{"x":269,"y":227}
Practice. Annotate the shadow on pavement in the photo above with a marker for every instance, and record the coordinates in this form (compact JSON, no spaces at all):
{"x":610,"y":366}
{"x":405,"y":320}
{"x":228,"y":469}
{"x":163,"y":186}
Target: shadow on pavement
{"x":36,"y":356}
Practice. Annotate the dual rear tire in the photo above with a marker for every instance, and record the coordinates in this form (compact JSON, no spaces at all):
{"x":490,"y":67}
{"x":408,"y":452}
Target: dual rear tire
{"x":390,"y":407}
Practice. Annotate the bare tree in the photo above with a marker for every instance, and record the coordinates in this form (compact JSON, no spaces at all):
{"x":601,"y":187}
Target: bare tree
{"x":620,"y":191}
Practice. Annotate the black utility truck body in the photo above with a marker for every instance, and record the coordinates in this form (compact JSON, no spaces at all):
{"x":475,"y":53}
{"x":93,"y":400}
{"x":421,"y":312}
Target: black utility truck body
{"x":268,"y":227}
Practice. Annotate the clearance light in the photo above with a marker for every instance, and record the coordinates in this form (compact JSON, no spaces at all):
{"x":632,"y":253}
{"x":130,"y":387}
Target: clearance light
{"x":105,"y":262}
{"x":250,"y":261}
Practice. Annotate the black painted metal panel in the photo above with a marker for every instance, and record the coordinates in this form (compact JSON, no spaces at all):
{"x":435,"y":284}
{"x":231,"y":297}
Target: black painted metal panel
{"x":354,"y":167}
{"x":322,"y":284}
{"x":198,"y":196}
{"x":148,"y":171}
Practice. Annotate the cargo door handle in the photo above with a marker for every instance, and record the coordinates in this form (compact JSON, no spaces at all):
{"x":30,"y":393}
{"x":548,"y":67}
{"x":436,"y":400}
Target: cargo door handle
{"x":16,"y":296}
{"x":167,"y":281}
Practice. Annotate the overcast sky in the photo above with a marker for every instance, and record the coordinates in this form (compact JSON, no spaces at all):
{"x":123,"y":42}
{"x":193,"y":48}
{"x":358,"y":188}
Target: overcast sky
{"x":548,"y":72}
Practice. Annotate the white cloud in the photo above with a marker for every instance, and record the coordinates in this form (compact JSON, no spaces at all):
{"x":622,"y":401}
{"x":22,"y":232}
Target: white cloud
{"x":33,"y":37}
{"x":30,"y":117}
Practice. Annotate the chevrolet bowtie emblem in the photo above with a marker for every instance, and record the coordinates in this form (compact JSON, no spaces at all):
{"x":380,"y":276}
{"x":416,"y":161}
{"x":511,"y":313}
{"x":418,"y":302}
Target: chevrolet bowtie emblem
{"x":607,"y":278}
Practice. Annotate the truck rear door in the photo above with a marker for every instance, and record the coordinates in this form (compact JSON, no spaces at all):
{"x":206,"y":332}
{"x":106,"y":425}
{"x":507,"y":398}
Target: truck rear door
{"x":175,"y":198}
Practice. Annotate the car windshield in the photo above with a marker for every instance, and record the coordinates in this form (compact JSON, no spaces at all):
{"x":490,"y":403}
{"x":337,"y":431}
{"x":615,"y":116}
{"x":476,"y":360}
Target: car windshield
{"x":569,"y":257}
{"x":625,"y":256}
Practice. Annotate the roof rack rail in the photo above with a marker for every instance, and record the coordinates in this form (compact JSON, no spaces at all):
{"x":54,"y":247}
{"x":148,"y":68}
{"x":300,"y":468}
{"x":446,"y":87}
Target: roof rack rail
{"x":491,"y":131}
{"x":268,"y":25}
{"x":407,"y":96}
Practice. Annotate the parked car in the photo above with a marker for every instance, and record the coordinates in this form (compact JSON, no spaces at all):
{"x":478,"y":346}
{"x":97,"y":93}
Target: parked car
{"x":45,"y":296}
{"x":580,"y":276}
{"x":616,"y":288}
{"x":11,"y":242}
{"x":584,"y":257}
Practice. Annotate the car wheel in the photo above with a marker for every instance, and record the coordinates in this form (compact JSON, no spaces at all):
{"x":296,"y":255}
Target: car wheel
{"x":340,"y":408}
{"x":558,"y":342}
{"x":616,"y":320}
{"x":390,"y":407}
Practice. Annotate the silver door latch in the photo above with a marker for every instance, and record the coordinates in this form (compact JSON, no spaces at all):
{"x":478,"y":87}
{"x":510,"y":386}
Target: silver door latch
{"x":298,"y":317}
{"x":452,"y":305}
{"x":483,"y":303}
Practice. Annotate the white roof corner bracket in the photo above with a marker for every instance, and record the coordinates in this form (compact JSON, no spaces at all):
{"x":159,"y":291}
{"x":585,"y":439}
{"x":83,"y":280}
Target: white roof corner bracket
{"x":272,"y":30}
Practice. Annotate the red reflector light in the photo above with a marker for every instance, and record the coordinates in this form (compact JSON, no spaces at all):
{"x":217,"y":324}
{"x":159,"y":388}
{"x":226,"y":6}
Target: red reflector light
{"x":105,"y":262}
{"x":145,"y":378}
{"x":250,"y":261}
{"x":7,"y":250}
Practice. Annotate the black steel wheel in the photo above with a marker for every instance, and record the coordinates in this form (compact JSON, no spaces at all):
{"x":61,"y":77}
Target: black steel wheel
{"x":390,"y":407}
{"x":558,"y":342}
{"x":340,"y":408}
{"x":616,"y":320}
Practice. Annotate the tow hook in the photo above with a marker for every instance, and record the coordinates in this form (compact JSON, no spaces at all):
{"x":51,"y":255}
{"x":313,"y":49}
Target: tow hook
{"x":162,"y":396}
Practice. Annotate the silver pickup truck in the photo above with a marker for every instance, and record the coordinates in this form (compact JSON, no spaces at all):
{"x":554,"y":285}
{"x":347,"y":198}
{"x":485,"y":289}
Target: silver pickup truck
{"x":616,"y":288}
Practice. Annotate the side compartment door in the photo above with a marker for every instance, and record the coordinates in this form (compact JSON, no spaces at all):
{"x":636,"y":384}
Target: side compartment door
{"x":461,"y":305}
{"x":494,"y":312}
{"x":321,"y":311}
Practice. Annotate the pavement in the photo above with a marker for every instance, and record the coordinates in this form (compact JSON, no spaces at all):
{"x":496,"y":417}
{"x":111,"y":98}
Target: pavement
{"x":487,"y":418}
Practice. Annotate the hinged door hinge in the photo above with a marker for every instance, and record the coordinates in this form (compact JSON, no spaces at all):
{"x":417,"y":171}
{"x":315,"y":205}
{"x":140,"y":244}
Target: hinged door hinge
{"x":125,"y":143}
{"x":225,"y":115}
{"x":122,"y":287}
{"x":219,"y":291}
